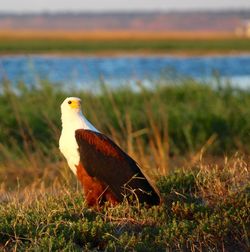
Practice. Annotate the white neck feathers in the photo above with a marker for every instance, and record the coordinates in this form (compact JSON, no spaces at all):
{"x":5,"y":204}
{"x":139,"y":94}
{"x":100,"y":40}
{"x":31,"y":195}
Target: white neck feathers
{"x":76,"y":121}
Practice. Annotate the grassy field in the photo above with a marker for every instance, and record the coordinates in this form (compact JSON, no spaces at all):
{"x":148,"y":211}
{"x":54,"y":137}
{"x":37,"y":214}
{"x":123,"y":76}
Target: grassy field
{"x":117,"y":42}
{"x":206,"y":209}
{"x":192,"y":140}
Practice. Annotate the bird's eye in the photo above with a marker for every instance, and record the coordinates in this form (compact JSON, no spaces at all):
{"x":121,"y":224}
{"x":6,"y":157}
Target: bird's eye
{"x":69,"y":102}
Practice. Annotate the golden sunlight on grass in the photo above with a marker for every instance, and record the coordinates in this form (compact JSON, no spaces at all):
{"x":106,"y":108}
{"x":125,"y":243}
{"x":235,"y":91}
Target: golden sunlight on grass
{"x":111,"y":35}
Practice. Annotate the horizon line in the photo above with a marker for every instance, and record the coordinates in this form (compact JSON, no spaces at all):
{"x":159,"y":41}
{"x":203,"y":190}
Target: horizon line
{"x":119,"y":11}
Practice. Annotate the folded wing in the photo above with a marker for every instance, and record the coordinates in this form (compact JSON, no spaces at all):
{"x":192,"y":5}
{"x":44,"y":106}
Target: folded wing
{"x":105,"y":161}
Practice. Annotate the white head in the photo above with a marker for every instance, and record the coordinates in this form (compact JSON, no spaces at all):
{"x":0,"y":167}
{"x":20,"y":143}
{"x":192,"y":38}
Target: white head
{"x":71,"y":105}
{"x":71,"y":110}
{"x":72,"y":115}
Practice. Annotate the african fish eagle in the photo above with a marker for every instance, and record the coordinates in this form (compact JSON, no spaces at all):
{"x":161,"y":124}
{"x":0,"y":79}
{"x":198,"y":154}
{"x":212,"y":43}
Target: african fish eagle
{"x":105,"y":172}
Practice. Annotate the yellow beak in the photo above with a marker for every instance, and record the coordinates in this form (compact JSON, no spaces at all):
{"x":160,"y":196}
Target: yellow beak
{"x":75,"y":104}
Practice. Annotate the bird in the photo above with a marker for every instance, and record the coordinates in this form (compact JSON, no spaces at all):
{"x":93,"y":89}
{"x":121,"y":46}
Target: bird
{"x":105,"y":171}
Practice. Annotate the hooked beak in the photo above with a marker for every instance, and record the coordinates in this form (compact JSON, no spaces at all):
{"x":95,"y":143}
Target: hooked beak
{"x":75,"y":104}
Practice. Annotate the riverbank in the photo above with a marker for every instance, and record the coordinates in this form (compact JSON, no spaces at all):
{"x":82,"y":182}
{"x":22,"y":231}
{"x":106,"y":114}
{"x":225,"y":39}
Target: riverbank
{"x":113,"y":43}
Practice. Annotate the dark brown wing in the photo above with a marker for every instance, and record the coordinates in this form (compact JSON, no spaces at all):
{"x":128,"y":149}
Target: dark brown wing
{"x":103,"y":159}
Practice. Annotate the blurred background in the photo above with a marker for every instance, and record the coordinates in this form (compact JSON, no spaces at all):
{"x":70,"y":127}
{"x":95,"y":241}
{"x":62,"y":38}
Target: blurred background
{"x":76,"y":43}
{"x":168,"y":81}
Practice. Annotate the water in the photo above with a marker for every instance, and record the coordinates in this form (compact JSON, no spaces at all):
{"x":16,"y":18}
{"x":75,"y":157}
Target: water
{"x":85,"y":72}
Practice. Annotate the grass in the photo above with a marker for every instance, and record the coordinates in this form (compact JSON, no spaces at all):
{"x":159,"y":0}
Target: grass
{"x":188,"y":113}
{"x":93,"y":42}
{"x":181,"y":120}
{"x":204,"y":209}
{"x":112,"y":35}
{"x":184,"y":135}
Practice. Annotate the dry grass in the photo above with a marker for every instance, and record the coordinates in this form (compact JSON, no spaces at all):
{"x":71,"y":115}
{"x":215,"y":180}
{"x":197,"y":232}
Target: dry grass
{"x":121,"y":42}
{"x":112,"y":35}
{"x":205,"y":208}
{"x":220,"y":180}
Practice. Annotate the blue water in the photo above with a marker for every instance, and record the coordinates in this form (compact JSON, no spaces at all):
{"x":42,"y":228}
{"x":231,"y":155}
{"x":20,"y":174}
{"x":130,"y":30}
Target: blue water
{"x":84,"y":72}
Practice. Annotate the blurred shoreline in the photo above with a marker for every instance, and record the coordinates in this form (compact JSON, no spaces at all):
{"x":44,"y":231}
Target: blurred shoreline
{"x":23,"y":34}
{"x":118,"y":54}
{"x":117,"y":43}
